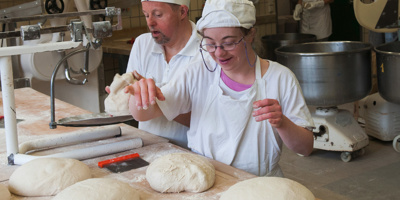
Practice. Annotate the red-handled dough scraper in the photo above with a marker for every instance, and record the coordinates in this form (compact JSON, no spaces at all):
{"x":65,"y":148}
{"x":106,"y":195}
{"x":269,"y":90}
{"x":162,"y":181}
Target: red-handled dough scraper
{"x":123,"y":163}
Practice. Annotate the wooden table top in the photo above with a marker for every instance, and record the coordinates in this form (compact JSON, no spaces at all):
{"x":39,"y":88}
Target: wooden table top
{"x":34,"y":109}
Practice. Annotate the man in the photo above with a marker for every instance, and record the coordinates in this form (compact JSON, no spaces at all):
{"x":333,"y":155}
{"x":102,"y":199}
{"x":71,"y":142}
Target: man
{"x":315,"y":16}
{"x":170,"y":46}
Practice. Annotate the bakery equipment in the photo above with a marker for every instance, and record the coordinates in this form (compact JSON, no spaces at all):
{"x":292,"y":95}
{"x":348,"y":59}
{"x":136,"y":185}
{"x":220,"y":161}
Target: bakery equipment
{"x":94,"y":119}
{"x":78,"y":31}
{"x":123,"y":163}
{"x":381,"y":118}
{"x":377,"y":15}
{"x":383,"y":16}
{"x":331,"y":74}
{"x":271,"y":42}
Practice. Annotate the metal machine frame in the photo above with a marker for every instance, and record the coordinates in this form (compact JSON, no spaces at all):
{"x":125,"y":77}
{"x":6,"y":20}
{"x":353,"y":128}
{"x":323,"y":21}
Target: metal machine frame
{"x":16,"y":154}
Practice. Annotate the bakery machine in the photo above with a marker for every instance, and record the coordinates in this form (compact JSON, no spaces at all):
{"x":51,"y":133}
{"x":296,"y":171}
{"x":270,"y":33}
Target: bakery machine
{"x":332,"y":74}
{"x":381,"y":111}
{"x":78,"y":31}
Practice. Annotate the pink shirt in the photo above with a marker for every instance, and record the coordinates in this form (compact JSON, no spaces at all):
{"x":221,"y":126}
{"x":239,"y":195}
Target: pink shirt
{"x":233,"y":84}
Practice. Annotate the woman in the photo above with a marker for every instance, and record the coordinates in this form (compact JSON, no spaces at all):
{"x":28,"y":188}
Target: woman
{"x":243,"y":107}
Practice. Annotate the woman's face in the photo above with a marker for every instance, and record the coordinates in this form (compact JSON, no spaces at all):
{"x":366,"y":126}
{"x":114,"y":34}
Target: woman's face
{"x":228,"y":60}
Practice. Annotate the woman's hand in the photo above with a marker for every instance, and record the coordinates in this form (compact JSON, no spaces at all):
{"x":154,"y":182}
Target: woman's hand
{"x":145,"y":93}
{"x":268,"y":109}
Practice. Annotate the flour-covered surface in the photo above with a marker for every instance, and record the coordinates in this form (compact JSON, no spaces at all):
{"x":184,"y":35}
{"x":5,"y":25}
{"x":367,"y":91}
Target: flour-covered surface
{"x":34,"y":109}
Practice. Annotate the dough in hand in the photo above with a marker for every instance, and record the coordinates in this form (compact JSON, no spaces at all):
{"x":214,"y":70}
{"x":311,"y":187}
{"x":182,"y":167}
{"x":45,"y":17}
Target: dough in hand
{"x":268,"y":188}
{"x":179,"y":172}
{"x":47,"y":176}
{"x":99,"y":189}
{"x":117,"y":101}
{"x":4,"y":193}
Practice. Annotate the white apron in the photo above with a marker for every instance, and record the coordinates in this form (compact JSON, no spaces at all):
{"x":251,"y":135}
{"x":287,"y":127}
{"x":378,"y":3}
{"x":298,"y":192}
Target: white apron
{"x":317,"y":21}
{"x":229,"y":134}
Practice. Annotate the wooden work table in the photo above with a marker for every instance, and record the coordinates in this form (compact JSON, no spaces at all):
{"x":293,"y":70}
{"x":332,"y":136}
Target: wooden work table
{"x":33,"y":108}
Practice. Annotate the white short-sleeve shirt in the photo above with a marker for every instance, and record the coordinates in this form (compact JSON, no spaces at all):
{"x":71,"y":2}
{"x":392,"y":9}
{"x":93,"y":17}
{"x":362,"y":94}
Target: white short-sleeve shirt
{"x":148,"y":59}
{"x":189,"y":91}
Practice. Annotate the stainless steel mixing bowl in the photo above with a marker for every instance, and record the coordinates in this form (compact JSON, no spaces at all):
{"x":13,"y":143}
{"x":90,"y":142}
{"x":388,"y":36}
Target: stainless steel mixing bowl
{"x":271,"y":42}
{"x":388,"y":71}
{"x":330,"y":73}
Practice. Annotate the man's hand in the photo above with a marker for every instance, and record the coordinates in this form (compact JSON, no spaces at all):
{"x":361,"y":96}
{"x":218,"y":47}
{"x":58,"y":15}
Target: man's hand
{"x":314,"y":4}
{"x":297,"y":12}
{"x":135,"y":74}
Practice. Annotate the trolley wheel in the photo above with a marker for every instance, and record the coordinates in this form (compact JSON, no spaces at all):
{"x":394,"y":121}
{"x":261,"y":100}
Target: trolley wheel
{"x":359,"y":152}
{"x":396,"y":143}
{"x":345,"y":156}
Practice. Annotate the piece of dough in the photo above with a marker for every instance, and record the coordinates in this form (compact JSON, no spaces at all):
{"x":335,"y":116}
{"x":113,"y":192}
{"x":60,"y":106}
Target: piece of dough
{"x":117,"y":101}
{"x":179,"y":172}
{"x":99,"y":189}
{"x":4,"y":193}
{"x":268,"y":188}
{"x":47,"y":176}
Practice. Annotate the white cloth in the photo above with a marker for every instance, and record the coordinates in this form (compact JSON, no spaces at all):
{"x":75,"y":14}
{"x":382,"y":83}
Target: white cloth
{"x":227,"y":13}
{"x":222,"y":127}
{"x":148,"y":59}
{"x":316,"y":21}
{"x":314,"y":4}
{"x":297,"y":12}
{"x":179,"y":2}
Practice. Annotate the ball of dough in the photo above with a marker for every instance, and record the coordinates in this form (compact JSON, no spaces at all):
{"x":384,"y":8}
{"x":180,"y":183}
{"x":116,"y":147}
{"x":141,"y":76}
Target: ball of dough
{"x":99,"y":189}
{"x":4,"y":193}
{"x":117,"y":101}
{"x":268,"y":188}
{"x":47,"y":176}
{"x":179,"y":172}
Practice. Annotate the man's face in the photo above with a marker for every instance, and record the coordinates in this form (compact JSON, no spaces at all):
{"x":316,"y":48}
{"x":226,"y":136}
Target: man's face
{"x":161,"y":19}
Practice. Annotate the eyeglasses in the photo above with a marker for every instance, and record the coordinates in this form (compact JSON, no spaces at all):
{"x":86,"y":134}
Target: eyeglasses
{"x":211,"y":48}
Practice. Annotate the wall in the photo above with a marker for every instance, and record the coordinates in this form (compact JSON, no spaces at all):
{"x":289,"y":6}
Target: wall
{"x":133,"y":16}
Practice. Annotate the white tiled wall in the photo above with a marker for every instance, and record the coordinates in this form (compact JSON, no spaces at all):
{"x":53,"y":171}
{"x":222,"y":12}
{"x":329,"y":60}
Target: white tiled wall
{"x":133,"y":17}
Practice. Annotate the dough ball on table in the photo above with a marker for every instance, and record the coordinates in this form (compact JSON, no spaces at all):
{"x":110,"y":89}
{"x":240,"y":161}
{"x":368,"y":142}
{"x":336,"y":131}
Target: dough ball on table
{"x":47,"y":176}
{"x":4,"y":193}
{"x":179,"y":172}
{"x":99,"y":189}
{"x":268,"y":188}
{"x":117,"y":101}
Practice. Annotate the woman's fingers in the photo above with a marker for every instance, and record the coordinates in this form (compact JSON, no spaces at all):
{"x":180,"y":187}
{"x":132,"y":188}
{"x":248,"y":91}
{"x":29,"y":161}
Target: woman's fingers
{"x":145,"y":93}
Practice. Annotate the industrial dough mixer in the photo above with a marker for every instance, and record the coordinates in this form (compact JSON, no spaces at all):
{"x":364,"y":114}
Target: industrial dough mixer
{"x":381,"y":116}
{"x":331,"y":74}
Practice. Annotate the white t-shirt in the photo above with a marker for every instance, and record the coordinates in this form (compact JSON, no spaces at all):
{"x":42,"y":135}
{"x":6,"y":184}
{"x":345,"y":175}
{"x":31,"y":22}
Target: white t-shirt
{"x":148,"y":59}
{"x":189,"y":91}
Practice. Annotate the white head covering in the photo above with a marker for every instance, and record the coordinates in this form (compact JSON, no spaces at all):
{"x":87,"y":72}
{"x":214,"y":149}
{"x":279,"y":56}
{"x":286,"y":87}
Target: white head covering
{"x":179,"y":2}
{"x":227,"y":13}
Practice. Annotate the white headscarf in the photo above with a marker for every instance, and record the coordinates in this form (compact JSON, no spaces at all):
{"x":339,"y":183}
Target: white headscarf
{"x":227,"y":13}
{"x":179,"y":2}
